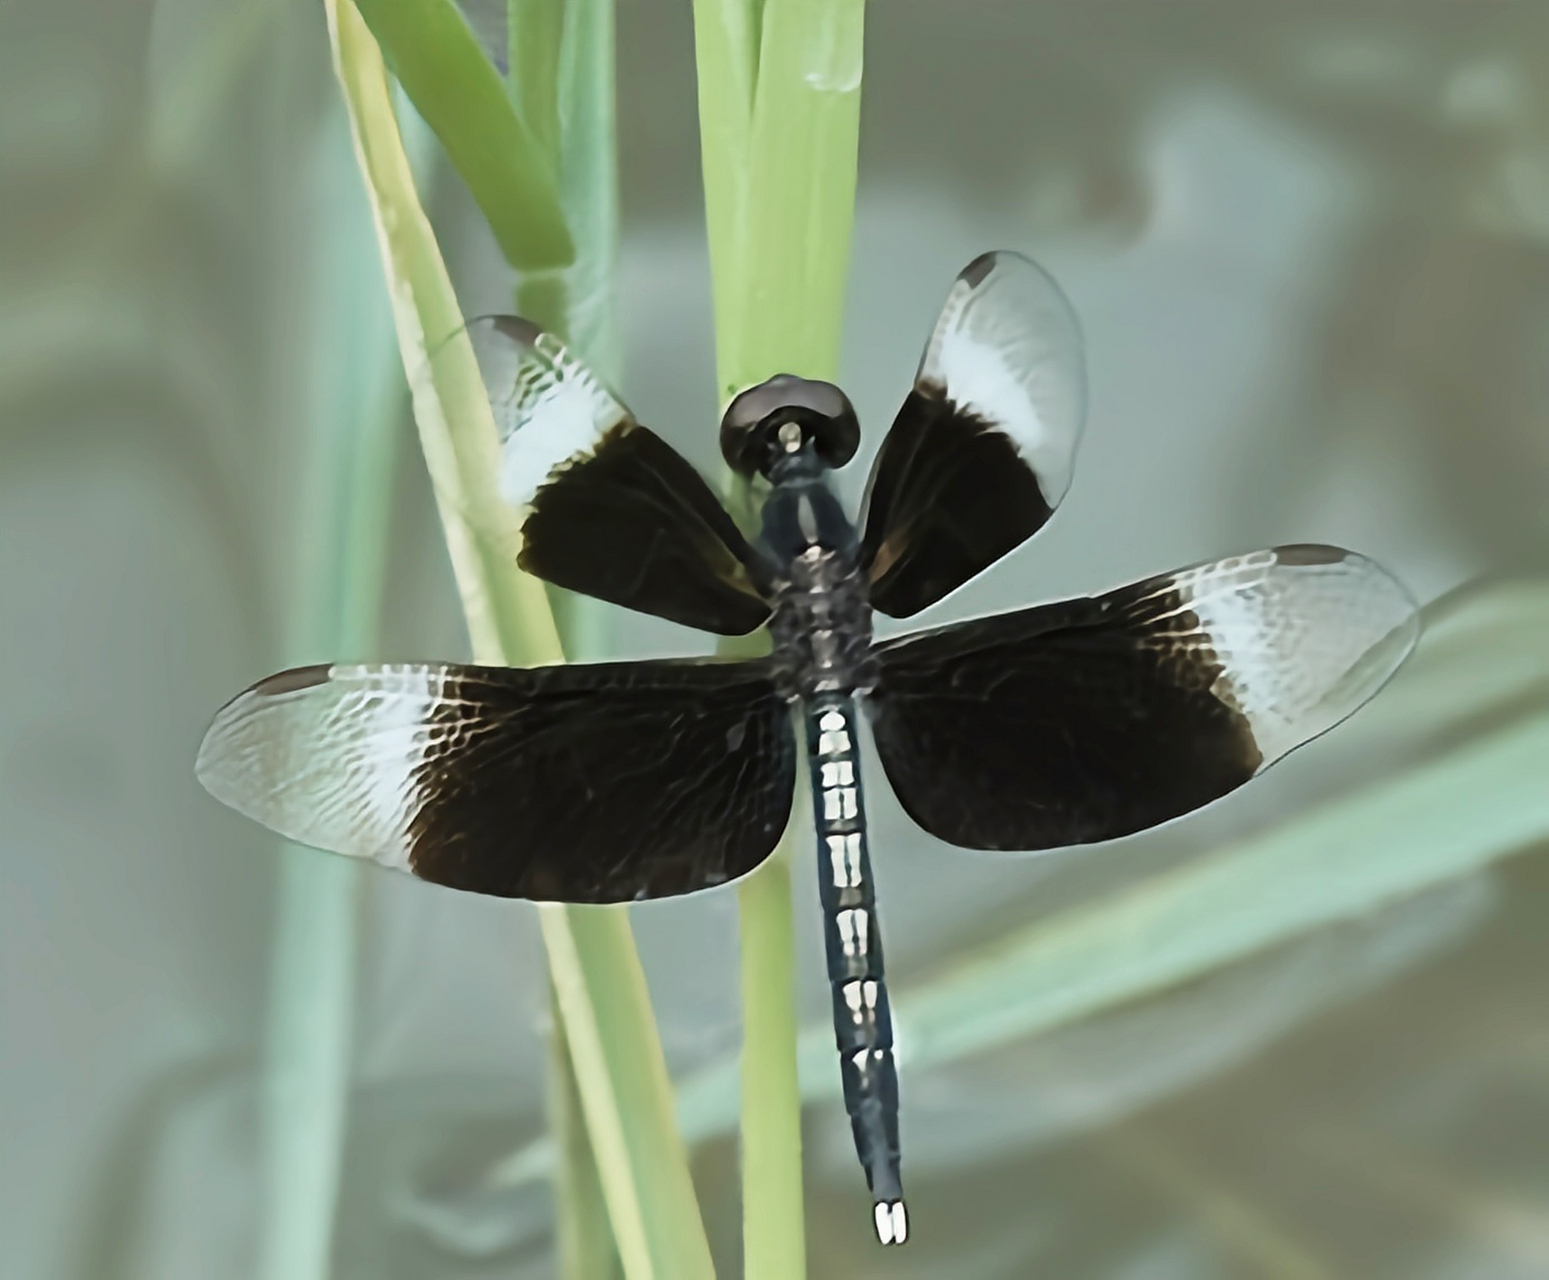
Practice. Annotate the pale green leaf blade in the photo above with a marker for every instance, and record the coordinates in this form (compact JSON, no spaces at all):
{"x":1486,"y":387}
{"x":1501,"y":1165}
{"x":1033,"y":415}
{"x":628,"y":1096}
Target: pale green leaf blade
{"x":800,"y":200}
{"x":589,"y":181}
{"x":725,"y":58}
{"x":582,"y":1232}
{"x":616,"y":1052}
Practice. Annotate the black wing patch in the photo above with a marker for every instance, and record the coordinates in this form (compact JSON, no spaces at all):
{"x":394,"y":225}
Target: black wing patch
{"x":1094,"y":718}
{"x":981,"y":452}
{"x":605,"y":783}
{"x":609,"y":508}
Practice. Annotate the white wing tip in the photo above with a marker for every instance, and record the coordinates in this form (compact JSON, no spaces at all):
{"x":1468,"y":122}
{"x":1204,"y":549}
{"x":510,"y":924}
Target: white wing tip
{"x":1370,"y":624}
{"x":221,"y":754}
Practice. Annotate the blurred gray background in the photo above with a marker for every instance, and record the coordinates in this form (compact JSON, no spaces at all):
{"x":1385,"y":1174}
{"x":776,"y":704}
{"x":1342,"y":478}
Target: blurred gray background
{"x":1310,"y":247}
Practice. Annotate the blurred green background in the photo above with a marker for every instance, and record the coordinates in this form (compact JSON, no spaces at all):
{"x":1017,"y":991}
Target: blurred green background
{"x":1310,"y":247}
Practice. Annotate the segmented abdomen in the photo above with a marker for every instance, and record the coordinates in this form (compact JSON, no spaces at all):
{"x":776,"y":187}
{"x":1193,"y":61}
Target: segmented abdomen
{"x":862,"y":1025}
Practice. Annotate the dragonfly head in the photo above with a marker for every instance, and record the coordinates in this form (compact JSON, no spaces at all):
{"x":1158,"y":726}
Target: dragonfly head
{"x":769,"y":426}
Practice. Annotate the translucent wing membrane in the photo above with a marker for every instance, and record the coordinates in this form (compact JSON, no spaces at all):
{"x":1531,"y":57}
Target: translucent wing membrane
{"x":609,"y":509}
{"x":1090,"y":719}
{"x":604,"y":783}
{"x":981,"y":452}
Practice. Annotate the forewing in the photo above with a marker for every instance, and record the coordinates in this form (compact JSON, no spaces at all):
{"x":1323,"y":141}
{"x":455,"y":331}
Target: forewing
{"x":608,"y":508}
{"x":604,"y":783}
{"x":981,"y":452}
{"x":1093,"y":718}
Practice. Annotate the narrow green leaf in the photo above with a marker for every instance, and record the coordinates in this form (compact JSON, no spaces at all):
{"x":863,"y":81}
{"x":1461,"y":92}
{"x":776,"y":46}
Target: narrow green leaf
{"x":615,"y":1050}
{"x":438,"y":61}
{"x":774,"y":1232}
{"x":725,"y":55}
{"x":779,"y":157}
{"x":800,"y":200}
{"x":589,"y":180}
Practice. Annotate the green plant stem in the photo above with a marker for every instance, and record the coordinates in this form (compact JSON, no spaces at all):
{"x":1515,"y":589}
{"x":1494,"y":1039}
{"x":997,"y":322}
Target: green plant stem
{"x":779,"y":102}
{"x":726,"y":60}
{"x":620,"y":1071}
{"x":774,"y":1242}
{"x":535,"y":50}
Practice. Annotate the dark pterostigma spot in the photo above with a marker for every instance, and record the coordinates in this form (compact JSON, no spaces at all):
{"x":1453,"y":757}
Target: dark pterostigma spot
{"x":294,"y":680}
{"x":974,"y":273}
{"x":1309,"y":553}
{"x":521,"y":331}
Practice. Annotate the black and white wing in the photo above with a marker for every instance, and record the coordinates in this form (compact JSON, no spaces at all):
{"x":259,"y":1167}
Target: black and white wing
{"x":981,"y":452}
{"x":1090,"y":719}
{"x":605,"y":783}
{"x":608,"y":508}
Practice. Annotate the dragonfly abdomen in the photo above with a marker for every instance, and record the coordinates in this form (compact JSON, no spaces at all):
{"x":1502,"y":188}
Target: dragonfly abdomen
{"x":863,"y":1028}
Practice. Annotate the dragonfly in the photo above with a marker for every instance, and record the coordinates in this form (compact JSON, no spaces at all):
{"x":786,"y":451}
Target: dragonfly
{"x":616,"y":782}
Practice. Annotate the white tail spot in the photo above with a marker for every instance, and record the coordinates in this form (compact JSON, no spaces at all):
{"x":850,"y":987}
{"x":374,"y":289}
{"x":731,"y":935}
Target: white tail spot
{"x":892,"y":1222}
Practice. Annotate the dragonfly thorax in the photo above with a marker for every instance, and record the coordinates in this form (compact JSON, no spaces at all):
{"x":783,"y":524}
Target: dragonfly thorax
{"x":821,"y":624}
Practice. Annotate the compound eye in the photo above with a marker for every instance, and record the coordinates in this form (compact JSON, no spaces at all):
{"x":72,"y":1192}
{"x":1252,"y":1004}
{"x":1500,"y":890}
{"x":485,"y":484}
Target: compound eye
{"x":780,"y":415}
{"x":748,"y":428}
{"x":837,"y":435}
